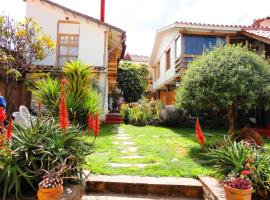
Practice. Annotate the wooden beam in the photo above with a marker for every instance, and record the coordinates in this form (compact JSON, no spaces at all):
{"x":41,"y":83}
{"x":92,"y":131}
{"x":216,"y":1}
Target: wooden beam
{"x":217,"y":33}
{"x":227,"y":39}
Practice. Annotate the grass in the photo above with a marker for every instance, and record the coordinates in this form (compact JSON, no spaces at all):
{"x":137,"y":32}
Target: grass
{"x":171,"y":151}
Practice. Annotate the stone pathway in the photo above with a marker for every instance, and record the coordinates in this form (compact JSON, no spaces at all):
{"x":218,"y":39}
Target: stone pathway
{"x":127,"y":148}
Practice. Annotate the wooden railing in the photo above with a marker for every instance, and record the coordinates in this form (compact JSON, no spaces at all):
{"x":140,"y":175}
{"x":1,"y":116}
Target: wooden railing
{"x":183,"y":61}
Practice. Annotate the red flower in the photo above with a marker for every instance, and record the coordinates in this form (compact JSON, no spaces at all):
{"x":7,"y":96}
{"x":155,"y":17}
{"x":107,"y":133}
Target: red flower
{"x":63,"y":113}
{"x":96,"y":128}
{"x":199,"y":133}
{"x":90,"y":122}
{"x":2,"y":114}
{"x":9,"y":130}
{"x":245,"y":172}
{"x":63,"y":82}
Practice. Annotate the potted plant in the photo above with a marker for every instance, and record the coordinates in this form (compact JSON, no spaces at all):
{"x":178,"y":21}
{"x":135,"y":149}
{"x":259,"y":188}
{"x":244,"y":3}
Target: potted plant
{"x":237,"y":187}
{"x":51,"y":185}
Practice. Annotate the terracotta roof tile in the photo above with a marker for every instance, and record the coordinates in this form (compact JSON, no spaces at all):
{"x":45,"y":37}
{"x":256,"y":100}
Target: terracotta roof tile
{"x":137,"y":58}
{"x":258,"y":32}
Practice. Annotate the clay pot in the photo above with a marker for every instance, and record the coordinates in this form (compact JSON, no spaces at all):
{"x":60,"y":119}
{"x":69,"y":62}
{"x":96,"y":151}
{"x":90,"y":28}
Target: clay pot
{"x":50,"y":193}
{"x":237,"y":194}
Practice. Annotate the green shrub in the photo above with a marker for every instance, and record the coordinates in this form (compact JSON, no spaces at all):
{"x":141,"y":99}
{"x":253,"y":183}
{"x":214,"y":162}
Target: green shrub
{"x":43,"y":145}
{"x":236,"y":157}
{"x":82,"y":99}
{"x":145,"y":112}
{"x":125,"y":112}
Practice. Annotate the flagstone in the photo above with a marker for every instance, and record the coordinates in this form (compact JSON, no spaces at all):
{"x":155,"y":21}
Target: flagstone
{"x":123,"y":137}
{"x":132,"y":157}
{"x":128,"y":143}
{"x":122,"y":165}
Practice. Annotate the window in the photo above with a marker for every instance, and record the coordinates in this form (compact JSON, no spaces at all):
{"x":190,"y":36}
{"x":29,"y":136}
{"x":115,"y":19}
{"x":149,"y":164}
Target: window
{"x":68,"y":48}
{"x":195,"y":45}
{"x":168,"y":59}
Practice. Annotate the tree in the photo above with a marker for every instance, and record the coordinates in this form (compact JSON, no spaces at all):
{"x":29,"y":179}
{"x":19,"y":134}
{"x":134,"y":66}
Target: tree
{"x":132,"y":80}
{"x":21,"y":44}
{"x":225,"y":79}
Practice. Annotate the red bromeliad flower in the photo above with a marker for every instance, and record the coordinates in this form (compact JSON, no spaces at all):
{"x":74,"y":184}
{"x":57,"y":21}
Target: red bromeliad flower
{"x":199,"y":133}
{"x":9,"y":130}
{"x":63,"y":113}
{"x":96,"y":128}
{"x":245,"y":172}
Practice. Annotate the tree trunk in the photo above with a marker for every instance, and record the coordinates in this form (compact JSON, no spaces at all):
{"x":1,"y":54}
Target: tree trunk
{"x":231,"y":115}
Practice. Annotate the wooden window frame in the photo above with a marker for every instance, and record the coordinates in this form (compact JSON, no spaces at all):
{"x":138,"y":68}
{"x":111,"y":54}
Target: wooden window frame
{"x":168,"y":59}
{"x":59,"y":40}
{"x":69,"y":44}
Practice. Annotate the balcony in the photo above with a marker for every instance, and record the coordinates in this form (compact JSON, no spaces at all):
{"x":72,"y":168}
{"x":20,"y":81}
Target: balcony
{"x":182,"y":62}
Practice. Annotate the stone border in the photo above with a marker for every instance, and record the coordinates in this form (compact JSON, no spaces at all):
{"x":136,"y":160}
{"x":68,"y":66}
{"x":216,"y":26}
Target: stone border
{"x":213,"y":190}
{"x":168,"y":186}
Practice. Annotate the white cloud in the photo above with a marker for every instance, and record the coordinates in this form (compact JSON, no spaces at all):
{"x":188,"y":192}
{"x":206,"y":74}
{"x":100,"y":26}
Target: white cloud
{"x":141,"y":18}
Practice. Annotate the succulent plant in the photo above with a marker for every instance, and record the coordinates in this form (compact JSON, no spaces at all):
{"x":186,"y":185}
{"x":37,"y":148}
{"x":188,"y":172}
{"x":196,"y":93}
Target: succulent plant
{"x":50,"y":181}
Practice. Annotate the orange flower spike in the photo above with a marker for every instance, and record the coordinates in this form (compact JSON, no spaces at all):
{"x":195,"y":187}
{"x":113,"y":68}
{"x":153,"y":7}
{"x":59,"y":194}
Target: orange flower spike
{"x":90,"y":122}
{"x":199,"y":133}
{"x":63,"y":113}
{"x":2,"y":116}
{"x":9,"y":130}
{"x":96,"y":131}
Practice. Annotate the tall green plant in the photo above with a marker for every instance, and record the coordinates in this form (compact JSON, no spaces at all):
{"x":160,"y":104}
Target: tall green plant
{"x":82,"y":98}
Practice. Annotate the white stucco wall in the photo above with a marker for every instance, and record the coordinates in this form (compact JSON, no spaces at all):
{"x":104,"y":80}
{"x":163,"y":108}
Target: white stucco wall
{"x":91,"y":41}
{"x":165,"y":41}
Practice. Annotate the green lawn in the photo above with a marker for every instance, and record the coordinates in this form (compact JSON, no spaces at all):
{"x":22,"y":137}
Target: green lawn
{"x":170,"y":151}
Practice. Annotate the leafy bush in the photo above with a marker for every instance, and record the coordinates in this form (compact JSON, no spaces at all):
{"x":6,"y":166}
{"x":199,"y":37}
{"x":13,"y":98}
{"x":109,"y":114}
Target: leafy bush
{"x":133,"y":80}
{"x":82,"y":99}
{"x":225,"y":79}
{"x":233,"y":157}
{"x":43,"y":145}
{"x":145,"y":112}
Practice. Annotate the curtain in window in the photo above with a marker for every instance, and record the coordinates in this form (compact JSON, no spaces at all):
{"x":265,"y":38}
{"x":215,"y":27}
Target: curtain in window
{"x":195,"y":45}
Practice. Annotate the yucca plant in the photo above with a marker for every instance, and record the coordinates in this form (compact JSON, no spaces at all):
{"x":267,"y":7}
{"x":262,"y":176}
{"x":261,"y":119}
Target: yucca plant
{"x":229,"y":157}
{"x":82,"y":98}
{"x":41,"y":146}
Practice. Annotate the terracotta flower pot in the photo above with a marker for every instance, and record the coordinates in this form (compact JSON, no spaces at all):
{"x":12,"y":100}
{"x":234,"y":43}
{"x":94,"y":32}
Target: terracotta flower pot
{"x":237,"y":194}
{"x":50,"y":193}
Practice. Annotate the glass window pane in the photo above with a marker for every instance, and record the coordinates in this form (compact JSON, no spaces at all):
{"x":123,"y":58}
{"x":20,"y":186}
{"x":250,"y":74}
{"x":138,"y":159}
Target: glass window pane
{"x":197,"y":44}
{"x":63,"y":39}
{"x":62,"y":60}
{"x":63,"y":50}
{"x":73,"y":51}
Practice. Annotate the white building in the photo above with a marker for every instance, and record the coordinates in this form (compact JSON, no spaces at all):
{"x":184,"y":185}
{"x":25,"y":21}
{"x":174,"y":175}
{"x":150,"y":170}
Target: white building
{"x":177,"y":44}
{"x":78,"y":36}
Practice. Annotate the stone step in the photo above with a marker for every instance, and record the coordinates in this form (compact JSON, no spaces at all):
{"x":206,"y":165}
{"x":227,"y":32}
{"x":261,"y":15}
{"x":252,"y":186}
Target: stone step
{"x":161,"y":186}
{"x":112,"y":196}
{"x":213,"y":190}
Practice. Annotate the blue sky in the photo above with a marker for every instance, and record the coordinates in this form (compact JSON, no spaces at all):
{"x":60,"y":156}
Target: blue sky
{"x":141,"y":18}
